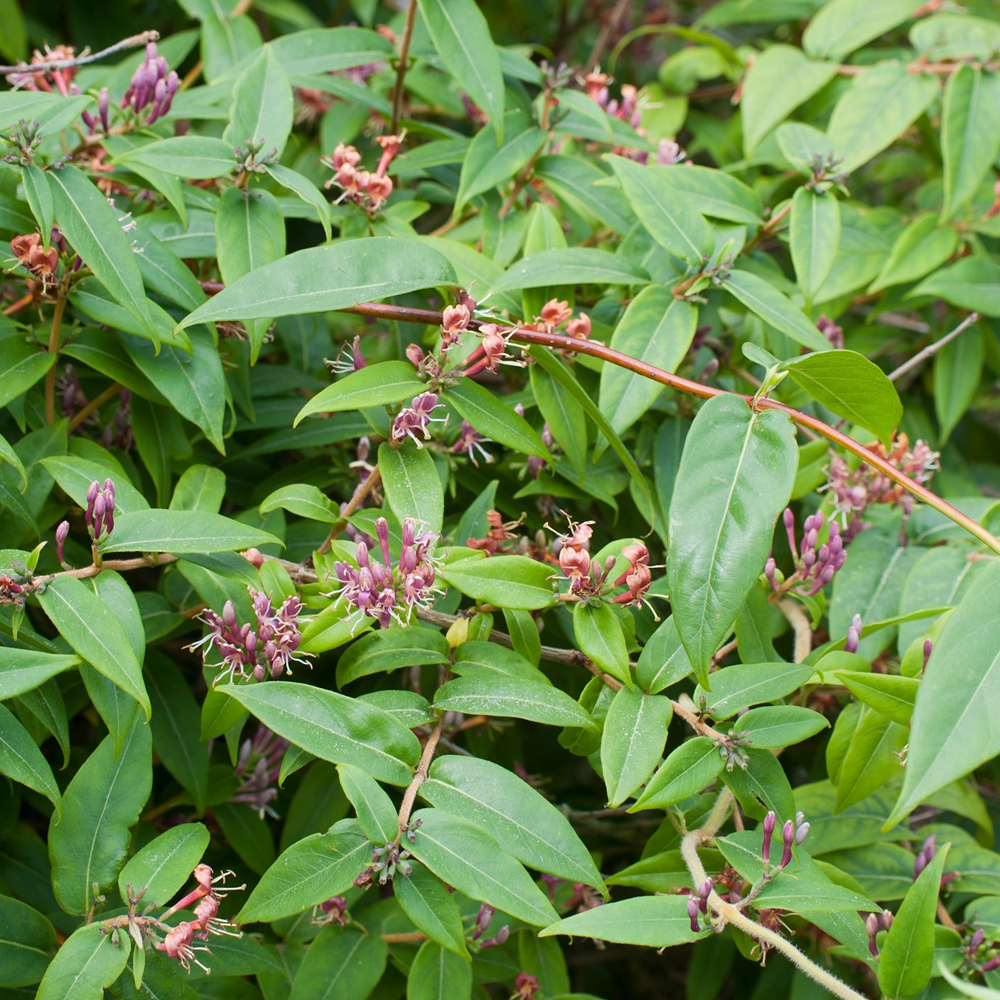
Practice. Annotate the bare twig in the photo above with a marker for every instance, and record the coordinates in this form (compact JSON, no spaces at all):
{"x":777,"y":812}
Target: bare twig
{"x":357,"y":499}
{"x":84,"y":59}
{"x":404,"y":55}
{"x":931,"y":349}
{"x":419,"y":777}
{"x":94,"y":404}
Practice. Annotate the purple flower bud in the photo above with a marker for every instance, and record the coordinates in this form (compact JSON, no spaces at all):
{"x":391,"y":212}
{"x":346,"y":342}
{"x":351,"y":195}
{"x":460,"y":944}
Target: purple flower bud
{"x":229,"y":614}
{"x":109,"y":487}
{"x":519,"y":409}
{"x":789,"y":518}
{"x":693,"y":909}
{"x":704,"y":891}
{"x":977,"y":939}
{"x":993,"y":963}
{"x":92,"y":491}
{"x":801,"y":832}
{"x":259,"y":673}
{"x":102,"y":108}
{"x":800,"y":817}
{"x":919,"y":864}
{"x":62,"y":533}
{"x":928,"y":649}
{"x":887,"y":919}
{"x":769,"y":820}
{"x":769,"y":570}
{"x":787,"y":839}
{"x":872,"y":926}
{"x":929,"y":847}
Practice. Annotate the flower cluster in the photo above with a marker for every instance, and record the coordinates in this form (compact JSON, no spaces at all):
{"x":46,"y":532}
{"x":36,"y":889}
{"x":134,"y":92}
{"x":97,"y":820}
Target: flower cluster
{"x":249,"y":159}
{"x":698,"y":904}
{"x":628,"y":110}
{"x":24,"y":140}
{"x":267,"y":646}
{"x":258,"y":767}
{"x":387,"y":861}
{"x":877,"y":922}
{"x":100,"y":516}
{"x":178,"y":942}
{"x":376,"y":589}
{"x":416,"y":419}
{"x":482,"y":924}
{"x":817,"y":563}
{"x":369,"y":190}
{"x":60,"y":80}
{"x":492,"y":351}
{"x":152,"y":86}
{"x":31,"y":254}
{"x":854,"y":490}
{"x":15,"y":585}
{"x":978,"y":951}
{"x":554,"y":314}
{"x":792,"y":833}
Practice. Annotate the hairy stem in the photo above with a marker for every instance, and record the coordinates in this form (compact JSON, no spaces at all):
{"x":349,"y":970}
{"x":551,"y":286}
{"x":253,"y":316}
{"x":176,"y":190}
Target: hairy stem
{"x":52,"y":64}
{"x":729,"y":913}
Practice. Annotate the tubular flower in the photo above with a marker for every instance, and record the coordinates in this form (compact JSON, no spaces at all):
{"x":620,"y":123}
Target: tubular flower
{"x":417,"y":418}
{"x":153,"y":85}
{"x":34,"y":258}
{"x":258,"y":768}
{"x":469,"y":442}
{"x":383,"y":592}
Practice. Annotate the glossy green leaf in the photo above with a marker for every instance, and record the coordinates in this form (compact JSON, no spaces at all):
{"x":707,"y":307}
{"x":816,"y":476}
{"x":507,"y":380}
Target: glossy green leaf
{"x":814,"y":231}
{"x":86,"y":963}
{"x":663,"y":660}
{"x":461,"y":36}
{"x":333,"y":727}
{"x":324,"y":278}
{"x":889,"y":694}
{"x":958,"y":368}
{"x":181,"y":532}
{"x":89,"y":837}
{"x":656,"y":328}
{"x":635,"y":732}
{"x":304,"y":500}
{"x":951,"y":731}
{"x":872,"y":758}
{"x":493,"y":419}
{"x":488,"y":163}
{"x":735,"y":477}
{"x":922,"y":246}
{"x":780,"y":726}
{"x":433,"y":910}
{"x":303,"y":188}
{"x":92,"y":629}
{"x":739,"y":687}
{"x":479,"y":656}
{"x":653,"y":921}
{"x":495,"y":694}
{"x":497,"y":800}
{"x":27,"y":943}
{"x":438,"y":974}
{"x":165,"y":864}
{"x":907,"y":957}
{"x":193,"y":156}
{"x":329,"y":49}
{"x":262,"y":104}
{"x":412,"y":485}
{"x":666,"y":212}
{"x":468,"y":858}
{"x":387,"y":382}
{"x":571,"y":266}
{"x":852,"y":387}
{"x":22,"y":761}
{"x":760,"y":785}
{"x":391,"y":649}
{"x":21,"y":366}
{"x":506,"y":581}
{"x":970,"y":134}
{"x":310,"y":871}
{"x":25,"y":669}
{"x":773,"y":308}
{"x":341,"y":961}
{"x":373,"y":807}
{"x":600,"y":637}
{"x":687,"y":770}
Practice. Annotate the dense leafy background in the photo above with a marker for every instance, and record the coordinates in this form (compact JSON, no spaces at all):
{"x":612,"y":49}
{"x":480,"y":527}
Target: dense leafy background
{"x":789,"y":192}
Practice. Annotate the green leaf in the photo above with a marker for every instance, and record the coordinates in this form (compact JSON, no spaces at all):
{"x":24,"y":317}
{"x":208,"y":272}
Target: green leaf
{"x":907,"y":957}
{"x":310,"y":871}
{"x":780,"y":79}
{"x":89,"y":838}
{"x":736,"y":688}
{"x":774,"y":309}
{"x":667,"y":213}
{"x":373,"y":385}
{"x":25,"y":669}
{"x":182,"y":531}
{"x":495,"y":694}
{"x":600,"y":637}
{"x":200,"y":487}
{"x":22,"y":761}
{"x":462,"y":38}
{"x":412,"y":485}
{"x":479,"y":657}
{"x":718,"y":194}
{"x":881,"y":104}
{"x":27,"y":943}
{"x":922,"y":246}
{"x":74,"y":476}
{"x":340,"y":962}
{"x":163,"y":866}
{"x":872,"y":758}
{"x":814,"y":233}
{"x":971,"y":283}
{"x":694,"y":765}
{"x":433,"y":910}
{"x":391,"y":649}
{"x":656,"y":328}
{"x":91,"y":225}
{"x":635,"y":733}
{"x":469,"y":859}
{"x":304,"y":500}
{"x":87,"y":962}
{"x":494,"y":419}
{"x":303,"y":188}
{"x":511,"y":811}
{"x":39,"y":197}
{"x":958,"y":368}
{"x":333,"y":727}
{"x":21,"y":366}
{"x":845,"y":25}
{"x":373,"y":807}
{"x":438,"y":974}
{"x":564,"y":415}
{"x":308,"y":52}
{"x":653,"y":921}
{"x":889,"y":694}
{"x":489,"y":163}
{"x":191,"y":156}
{"x":781,"y":726}
{"x":7,"y":453}
{"x":735,"y":477}
{"x":94,"y":632}
{"x":506,"y":581}
{"x":663,"y":660}
{"x":262,"y":104}
{"x":321,"y":279}
{"x":970,"y":134}
{"x":852,"y":387}
{"x":952,"y":730}
{"x":571,"y":266}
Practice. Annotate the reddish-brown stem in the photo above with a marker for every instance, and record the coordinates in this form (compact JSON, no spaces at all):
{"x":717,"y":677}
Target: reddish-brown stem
{"x":360,"y":494}
{"x":94,"y":404}
{"x":404,"y":54}
{"x":22,"y":303}
{"x":82,"y":60}
{"x":419,"y":777}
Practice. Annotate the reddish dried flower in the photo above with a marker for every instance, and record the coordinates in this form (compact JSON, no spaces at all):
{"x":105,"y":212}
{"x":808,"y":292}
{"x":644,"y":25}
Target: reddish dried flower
{"x":579,"y":328}
{"x":33,"y":256}
{"x":554,"y":313}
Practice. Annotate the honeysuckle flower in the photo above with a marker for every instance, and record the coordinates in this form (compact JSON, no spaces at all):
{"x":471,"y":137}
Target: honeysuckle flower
{"x":554,"y":313}
{"x":383,"y":592}
{"x":853,"y":639}
{"x":816,"y":564}
{"x":579,"y":327}
{"x":100,"y":514}
{"x":34,"y":258}
{"x":499,"y":534}
{"x":417,"y":418}
{"x":469,"y":442}
{"x":350,"y":358}
{"x":694,"y":913}
{"x":769,"y":823}
{"x":525,"y":986}
{"x":153,"y":85}
{"x":787,"y":840}
{"x":831,"y":331}
{"x":331,"y":911}
{"x":454,"y":321}
{"x":637,"y":578}
{"x":258,"y":767}
{"x":872,"y":926}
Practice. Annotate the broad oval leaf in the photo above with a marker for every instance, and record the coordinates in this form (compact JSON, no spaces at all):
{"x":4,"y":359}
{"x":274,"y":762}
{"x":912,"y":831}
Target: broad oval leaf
{"x":86,"y":963}
{"x":27,"y":943}
{"x":162,"y":867}
{"x":182,"y":532}
{"x":653,"y":921}
{"x":507,"y":581}
{"x":373,"y":385}
{"x":494,"y":694}
{"x":735,"y":477}
{"x":494,"y":419}
{"x":687,"y":770}
{"x":23,"y":670}
{"x":340,"y":962}
{"x":635,"y":733}
{"x":413,"y":487}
